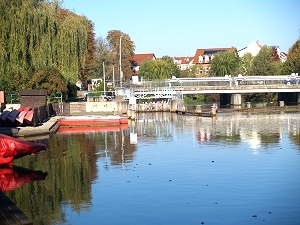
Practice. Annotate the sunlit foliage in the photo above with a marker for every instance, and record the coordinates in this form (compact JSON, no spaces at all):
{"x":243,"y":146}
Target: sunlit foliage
{"x":37,"y":34}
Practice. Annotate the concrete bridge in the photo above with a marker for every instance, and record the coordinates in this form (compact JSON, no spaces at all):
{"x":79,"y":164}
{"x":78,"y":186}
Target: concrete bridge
{"x":229,"y":88}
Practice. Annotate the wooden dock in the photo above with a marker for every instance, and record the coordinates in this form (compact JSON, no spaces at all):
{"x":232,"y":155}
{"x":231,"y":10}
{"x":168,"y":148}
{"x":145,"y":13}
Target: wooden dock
{"x":10,"y":214}
{"x":193,"y":113}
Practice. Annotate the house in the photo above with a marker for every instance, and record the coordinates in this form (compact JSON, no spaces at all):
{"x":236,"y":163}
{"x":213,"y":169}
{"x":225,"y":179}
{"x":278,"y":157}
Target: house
{"x":204,"y":56}
{"x":138,"y":59}
{"x":184,"y":63}
{"x":254,"y":48}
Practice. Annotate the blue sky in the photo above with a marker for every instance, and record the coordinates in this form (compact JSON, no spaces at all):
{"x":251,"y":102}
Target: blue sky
{"x":178,"y":28}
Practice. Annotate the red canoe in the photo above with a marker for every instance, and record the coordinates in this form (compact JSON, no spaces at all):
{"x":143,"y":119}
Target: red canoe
{"x":28,"y":117}
{"x":91,"y":121}
{"x":12,"y":148}
{"x":20,"y":118}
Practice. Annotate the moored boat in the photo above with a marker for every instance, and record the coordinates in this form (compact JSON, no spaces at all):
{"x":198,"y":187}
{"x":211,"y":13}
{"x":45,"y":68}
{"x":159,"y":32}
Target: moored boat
{"x":28,"y":117}
{"x":3,"y":117}
{"x":81,"y":129}
{"x":20,"y":118}
{"x":12,"y":148}
{"x":90,"y":121}
{"x":12,"y":116}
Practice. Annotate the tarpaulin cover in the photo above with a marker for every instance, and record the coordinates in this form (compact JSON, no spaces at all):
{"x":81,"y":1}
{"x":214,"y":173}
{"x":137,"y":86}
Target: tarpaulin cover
{"x":11,"y":148}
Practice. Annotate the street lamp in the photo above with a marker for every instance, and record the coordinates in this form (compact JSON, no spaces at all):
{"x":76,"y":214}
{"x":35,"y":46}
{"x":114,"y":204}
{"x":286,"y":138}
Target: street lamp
{"x":103,"y":59}
{"x":113,"y":63}
{"x":121,"y":61}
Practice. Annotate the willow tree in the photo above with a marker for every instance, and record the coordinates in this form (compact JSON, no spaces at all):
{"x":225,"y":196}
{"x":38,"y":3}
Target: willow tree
{"x":155,"y":69}
{"x":34,"y":35}
{"x":225,"y":63}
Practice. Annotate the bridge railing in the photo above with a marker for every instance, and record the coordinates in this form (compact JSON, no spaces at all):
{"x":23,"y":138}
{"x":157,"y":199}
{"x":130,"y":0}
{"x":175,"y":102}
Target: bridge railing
{"x":223,"y":81}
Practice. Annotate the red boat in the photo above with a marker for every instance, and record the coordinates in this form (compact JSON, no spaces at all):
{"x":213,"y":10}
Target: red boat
{"x":92,"y":129}
{"x":12,"y":148}
{"x":20,"y":118}
{"x":91,"y":121}
{"x":28,"y":117}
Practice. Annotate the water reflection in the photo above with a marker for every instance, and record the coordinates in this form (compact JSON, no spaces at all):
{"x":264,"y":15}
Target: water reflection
{"x":75,"y":160}
{"x":15,"y":177}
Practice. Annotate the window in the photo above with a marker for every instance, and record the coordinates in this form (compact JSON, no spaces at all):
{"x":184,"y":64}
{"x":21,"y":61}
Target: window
{"x":200,"y":59}
{"x":200,"y":71}
{"x":206,"y":59}
{"x":206,"y":70}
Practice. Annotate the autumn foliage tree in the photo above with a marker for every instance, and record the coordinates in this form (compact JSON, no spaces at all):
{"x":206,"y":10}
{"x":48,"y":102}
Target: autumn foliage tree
{"x":117,"y":39}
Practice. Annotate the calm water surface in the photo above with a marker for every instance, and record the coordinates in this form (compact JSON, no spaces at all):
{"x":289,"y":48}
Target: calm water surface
{"x":240,"y":168}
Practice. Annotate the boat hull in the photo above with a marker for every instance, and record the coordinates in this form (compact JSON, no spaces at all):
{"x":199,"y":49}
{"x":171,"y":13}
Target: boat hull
{"x":91,"y":121}
{"x":80,"y":129}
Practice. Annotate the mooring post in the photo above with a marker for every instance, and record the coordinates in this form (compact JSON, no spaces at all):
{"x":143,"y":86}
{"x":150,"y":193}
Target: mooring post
{"x":281,"y":103}
{"x":248,"y":105}
{"x":213,"y":110}
{"x":198,"y":109}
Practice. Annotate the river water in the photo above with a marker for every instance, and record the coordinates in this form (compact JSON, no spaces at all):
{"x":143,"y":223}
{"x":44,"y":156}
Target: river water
{"x":238,"y":168}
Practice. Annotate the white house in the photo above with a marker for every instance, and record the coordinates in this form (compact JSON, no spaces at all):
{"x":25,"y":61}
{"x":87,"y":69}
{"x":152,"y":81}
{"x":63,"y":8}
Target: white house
{"x":253,"y":48}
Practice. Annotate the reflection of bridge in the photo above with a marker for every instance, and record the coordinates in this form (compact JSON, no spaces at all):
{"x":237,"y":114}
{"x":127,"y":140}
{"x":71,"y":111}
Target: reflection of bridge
{"x":229,"y":87}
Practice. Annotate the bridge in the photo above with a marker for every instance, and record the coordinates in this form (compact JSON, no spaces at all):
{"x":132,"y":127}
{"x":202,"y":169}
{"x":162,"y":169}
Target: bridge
{"x":229,"y":88}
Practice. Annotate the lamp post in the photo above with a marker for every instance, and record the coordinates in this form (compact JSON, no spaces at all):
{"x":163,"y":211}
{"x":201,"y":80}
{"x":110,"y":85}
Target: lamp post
{"x":103,"y":59}
{"x":113,"y":63}
{"x":121,"y":61}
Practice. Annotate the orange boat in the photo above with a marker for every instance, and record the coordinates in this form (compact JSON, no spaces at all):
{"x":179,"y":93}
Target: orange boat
{"x":92,"y":121}
{"x":12,"y":148}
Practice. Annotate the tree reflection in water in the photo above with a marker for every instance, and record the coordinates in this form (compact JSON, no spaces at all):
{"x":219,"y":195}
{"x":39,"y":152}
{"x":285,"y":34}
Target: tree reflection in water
{"x":72,"y":167}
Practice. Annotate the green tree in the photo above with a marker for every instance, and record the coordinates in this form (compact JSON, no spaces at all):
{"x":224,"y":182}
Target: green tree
{"x":225,"y":63}
{"x":154,"y":69}
{"x":265,"y":62}
{"x":38,"y":34}
{"x":245,"y":63}
{"x":114,"y":39}
{"x":102,"y":52}
{"x":50,"y":79}
{"x":174,"y":70}
{"x":292,"y":64}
